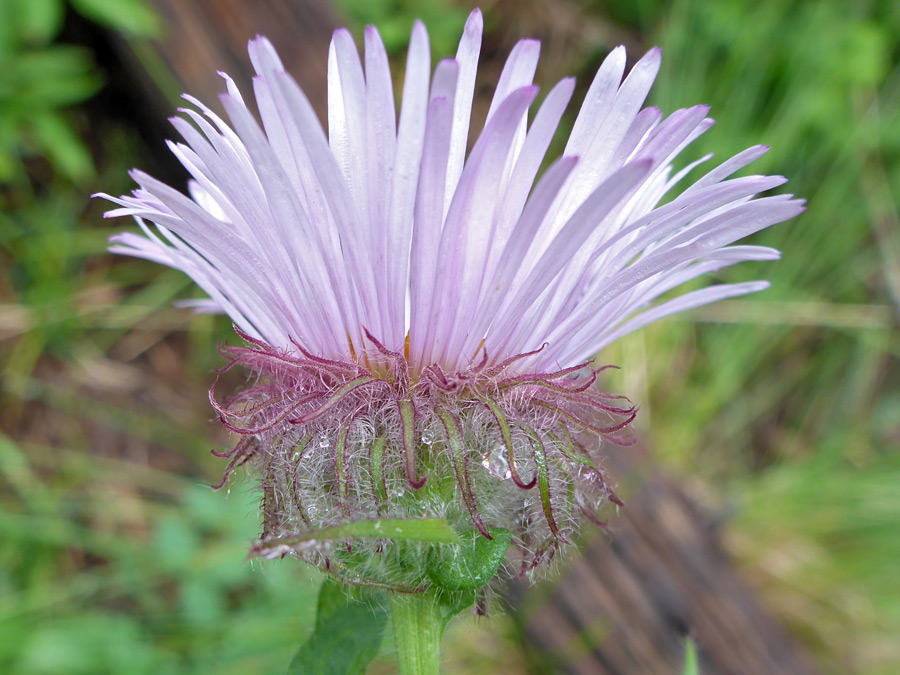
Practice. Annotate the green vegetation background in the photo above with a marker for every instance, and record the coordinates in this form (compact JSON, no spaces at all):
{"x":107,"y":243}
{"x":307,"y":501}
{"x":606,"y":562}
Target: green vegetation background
{"x":781,"y":411}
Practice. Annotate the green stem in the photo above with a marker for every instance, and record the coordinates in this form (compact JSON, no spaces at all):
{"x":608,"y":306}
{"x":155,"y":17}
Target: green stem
{"x":418,"y":627}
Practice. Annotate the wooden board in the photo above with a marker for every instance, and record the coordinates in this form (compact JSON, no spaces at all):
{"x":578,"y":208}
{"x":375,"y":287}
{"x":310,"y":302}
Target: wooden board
{"x":656,"y":576}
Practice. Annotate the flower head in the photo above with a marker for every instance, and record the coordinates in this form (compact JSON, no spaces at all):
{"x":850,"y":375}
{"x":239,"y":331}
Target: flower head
{"x":421,"y":321}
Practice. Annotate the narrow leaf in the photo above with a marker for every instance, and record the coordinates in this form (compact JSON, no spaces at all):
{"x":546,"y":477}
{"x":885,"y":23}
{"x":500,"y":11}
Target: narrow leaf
{"x":335,"y":398}
{"x":408,"y":423}
{"x":347,"y":636}
{"x":458,"y":456}
{"x":569,"y":449}
{"x":540,"y":458}
{"x":428,"y":530}
{"x":376,"y":470}
{"x":505,"y":433}
{"x":292,"y":478}
{"x":691,"y":667}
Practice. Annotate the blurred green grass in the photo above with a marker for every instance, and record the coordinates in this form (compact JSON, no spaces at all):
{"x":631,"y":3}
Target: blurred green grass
{"x":782,"y":409}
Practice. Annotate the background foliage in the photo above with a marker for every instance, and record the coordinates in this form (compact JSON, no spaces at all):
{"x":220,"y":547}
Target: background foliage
{"x":782,"y":411}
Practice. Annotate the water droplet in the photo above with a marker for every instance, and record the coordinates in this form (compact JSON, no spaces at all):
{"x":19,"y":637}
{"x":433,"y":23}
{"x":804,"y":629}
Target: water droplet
{"x":496,"y":464}
{"x":324,"y":442}
{"x":427,"y":437}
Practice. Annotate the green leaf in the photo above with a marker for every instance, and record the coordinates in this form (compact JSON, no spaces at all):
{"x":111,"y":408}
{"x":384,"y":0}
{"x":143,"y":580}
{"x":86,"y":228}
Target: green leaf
{"x":40,"y":20}
{"x":129,"y":16}
{"x":690,"y":658}
{"x":471,"y":563}
{"x":348,"y":633}
{"x":452,"y":603}
{"x":428,"y":530}
{"x":333,"y":596}
{"x":55,"y":76}
{"x":62,"y":146}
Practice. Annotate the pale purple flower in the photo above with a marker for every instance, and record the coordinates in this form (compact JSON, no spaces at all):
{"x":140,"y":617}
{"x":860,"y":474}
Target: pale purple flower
{"x":391,"y":287}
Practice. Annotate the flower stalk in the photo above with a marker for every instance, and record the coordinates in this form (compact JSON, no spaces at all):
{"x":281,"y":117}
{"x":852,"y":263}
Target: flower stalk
{"x":418,"y":628}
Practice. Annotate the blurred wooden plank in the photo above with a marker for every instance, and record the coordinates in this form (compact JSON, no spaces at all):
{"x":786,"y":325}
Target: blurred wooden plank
{"x":205,"y":36}
{"x":201,"y":37}
{"x":628,"y":602}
